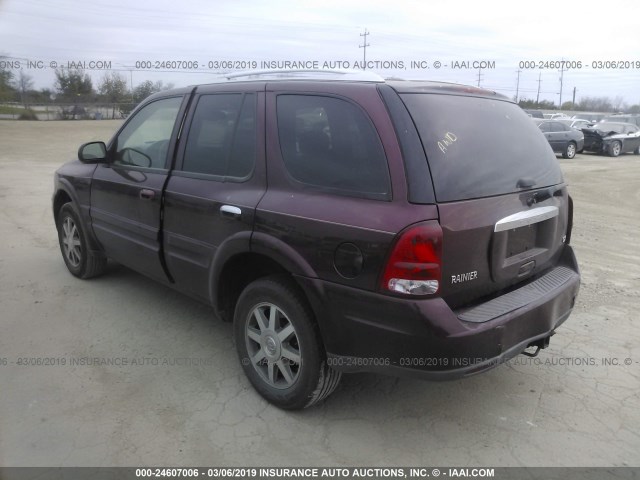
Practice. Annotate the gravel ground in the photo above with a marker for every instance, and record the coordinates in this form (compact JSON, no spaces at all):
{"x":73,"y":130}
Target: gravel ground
{"x":186,"y":402}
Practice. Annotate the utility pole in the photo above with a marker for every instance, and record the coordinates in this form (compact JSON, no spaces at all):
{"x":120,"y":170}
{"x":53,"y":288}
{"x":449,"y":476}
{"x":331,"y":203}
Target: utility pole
{"x":561,"y":80}
{"x":479,"y":76}
{"x":574,"y":98}
{"x":364,"y":53}
{"x":539,"y":81}
{"x":518,"y":85}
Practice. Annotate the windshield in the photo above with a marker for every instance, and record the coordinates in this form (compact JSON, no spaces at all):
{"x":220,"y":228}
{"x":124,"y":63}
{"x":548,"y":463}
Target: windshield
{"x":479,"y":147}
{"x":610,"y":127}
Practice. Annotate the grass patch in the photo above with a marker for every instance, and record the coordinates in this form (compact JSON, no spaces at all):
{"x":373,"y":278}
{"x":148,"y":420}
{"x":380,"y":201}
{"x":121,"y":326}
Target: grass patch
{"x":10,"y":110}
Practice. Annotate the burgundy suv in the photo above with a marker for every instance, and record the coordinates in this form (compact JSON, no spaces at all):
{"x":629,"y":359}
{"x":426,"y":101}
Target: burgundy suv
{"x":343,"y":224}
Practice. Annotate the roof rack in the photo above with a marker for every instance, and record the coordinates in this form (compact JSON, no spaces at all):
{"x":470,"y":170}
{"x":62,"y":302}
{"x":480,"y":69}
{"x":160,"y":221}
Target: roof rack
{"x":354,"y":75}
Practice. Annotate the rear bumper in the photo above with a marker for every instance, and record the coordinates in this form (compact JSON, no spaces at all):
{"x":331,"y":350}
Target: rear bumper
{"x":370,"y":332}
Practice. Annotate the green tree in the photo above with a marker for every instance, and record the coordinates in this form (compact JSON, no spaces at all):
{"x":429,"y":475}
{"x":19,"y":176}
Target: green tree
{"x":113,"y":88}
{"x":23,"y":84}
{"x":73,"y":85}
{"x":544,"y":104}
{"x":147,"y":88}
{"x":7,"y":92}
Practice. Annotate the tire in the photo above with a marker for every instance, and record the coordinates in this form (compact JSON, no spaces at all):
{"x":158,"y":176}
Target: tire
{"x":569,"y":150}
{"x":615,"y":149}
{"x":80,"y":261}
{"x":279,"y":347}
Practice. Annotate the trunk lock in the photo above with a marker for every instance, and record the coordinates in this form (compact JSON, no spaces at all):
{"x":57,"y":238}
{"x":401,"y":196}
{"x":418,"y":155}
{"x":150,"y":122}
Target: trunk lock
{"x":526,"y":268}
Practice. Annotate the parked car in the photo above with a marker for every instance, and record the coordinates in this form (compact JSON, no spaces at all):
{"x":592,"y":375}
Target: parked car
{"x":562,"y":137}
{"x":621,"y":118}
{"x":534,"y":113}
{"x":612,"y":138}
{"x":553,"y":116}
{"x":576,"y":123}
{"x":342,"y":224}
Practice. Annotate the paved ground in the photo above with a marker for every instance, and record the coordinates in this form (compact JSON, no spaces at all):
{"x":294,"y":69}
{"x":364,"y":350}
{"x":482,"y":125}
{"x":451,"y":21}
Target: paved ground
{"x":185,"y":400}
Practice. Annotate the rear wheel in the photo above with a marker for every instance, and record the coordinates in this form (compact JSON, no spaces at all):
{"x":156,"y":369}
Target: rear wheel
{"x":279,"y":345}
{"x":615,"y":148}
{"x":80,"y":261}
{"x":569,"y":150}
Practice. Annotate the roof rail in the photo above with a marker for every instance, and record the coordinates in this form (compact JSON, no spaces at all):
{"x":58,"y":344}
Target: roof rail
{"x":359,"y":75}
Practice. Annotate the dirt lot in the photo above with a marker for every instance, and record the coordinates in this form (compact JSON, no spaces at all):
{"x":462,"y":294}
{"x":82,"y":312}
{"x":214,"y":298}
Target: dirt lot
{"x":186,"y":401}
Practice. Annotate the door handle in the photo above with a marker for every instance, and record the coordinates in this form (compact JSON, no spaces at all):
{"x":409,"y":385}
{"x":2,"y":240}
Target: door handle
{"x":147,"y":194}
{"x":230,"y":211}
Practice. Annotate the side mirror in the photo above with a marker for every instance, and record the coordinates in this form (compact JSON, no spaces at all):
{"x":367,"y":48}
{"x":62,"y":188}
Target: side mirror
{"x":92,"y":152}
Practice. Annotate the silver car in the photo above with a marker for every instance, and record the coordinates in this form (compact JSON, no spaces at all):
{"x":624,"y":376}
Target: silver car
{"x":562,"y":138}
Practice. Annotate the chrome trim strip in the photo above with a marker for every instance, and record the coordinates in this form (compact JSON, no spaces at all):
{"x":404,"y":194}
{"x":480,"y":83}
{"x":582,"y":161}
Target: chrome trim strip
{"x":527,"y":217}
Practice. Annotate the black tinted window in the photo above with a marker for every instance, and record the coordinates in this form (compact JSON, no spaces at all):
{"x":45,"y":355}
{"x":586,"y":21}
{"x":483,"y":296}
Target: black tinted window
{"x":558,"y":127}
{"x":222,"y":136}
{"x":478,"y":147}
{"x":330,"y":143}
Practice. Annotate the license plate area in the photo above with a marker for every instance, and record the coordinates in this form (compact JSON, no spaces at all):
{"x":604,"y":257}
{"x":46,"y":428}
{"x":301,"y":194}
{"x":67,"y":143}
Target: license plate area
{"x":525,"y":238}
{"x":521,"y":240}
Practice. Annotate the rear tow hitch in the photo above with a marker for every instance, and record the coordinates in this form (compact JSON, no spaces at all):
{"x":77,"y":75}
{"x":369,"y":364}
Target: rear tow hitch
{"x":539,"y":344}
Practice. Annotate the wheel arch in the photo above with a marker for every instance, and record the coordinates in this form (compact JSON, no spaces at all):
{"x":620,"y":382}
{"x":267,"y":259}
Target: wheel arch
{"x":246,"y":257}
{"x":64,"y":194}
{"x":60,"y":198}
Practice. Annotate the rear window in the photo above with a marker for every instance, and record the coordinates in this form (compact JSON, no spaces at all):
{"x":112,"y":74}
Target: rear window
{"x":479,"y":147}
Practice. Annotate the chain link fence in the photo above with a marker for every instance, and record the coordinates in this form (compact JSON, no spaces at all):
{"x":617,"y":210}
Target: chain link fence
{"x":66,"y":111}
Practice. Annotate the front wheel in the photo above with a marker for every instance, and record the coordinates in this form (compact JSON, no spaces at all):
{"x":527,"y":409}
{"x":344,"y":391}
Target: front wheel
{"x":615,"y":148}
{"x":80,"y":261}
{"x":569,"y":150}
{"x":279,"y":345}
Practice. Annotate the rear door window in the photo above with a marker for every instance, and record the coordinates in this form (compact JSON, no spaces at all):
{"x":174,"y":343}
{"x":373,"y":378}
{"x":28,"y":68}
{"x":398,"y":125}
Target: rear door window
{"x":222,"y":136}
{"x":330,"y":144}
{"x":479,"y":147}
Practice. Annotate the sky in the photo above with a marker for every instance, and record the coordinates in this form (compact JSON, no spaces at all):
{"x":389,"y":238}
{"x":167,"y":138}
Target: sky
{"x":406,"y":39}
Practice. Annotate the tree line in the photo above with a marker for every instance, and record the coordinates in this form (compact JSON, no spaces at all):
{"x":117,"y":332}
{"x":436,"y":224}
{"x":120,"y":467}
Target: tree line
{"x":73,"y":88}
{"x":586,"y":104}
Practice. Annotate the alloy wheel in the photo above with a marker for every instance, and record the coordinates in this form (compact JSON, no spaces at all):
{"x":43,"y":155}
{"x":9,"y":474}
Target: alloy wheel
{"x":272,"y":345}
{"x":71,"y":242}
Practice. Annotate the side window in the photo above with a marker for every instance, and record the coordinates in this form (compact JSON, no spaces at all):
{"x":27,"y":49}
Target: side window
{"x":144,"y":141}
{"x":222,"y":136}
{"x":330,"y":143}
{"x":558,"y":127}
{"x":544,"y":127}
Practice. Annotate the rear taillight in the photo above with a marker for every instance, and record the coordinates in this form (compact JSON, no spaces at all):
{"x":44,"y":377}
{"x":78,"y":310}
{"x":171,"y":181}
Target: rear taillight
{"x":413,"y":268}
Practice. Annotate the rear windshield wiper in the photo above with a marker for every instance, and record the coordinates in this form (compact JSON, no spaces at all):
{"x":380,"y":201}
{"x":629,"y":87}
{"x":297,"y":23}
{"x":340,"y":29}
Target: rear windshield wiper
{"x":527,"y":182}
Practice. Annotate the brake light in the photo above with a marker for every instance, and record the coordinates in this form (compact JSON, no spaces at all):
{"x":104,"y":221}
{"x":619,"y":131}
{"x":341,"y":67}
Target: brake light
{"x":413,"y":268}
